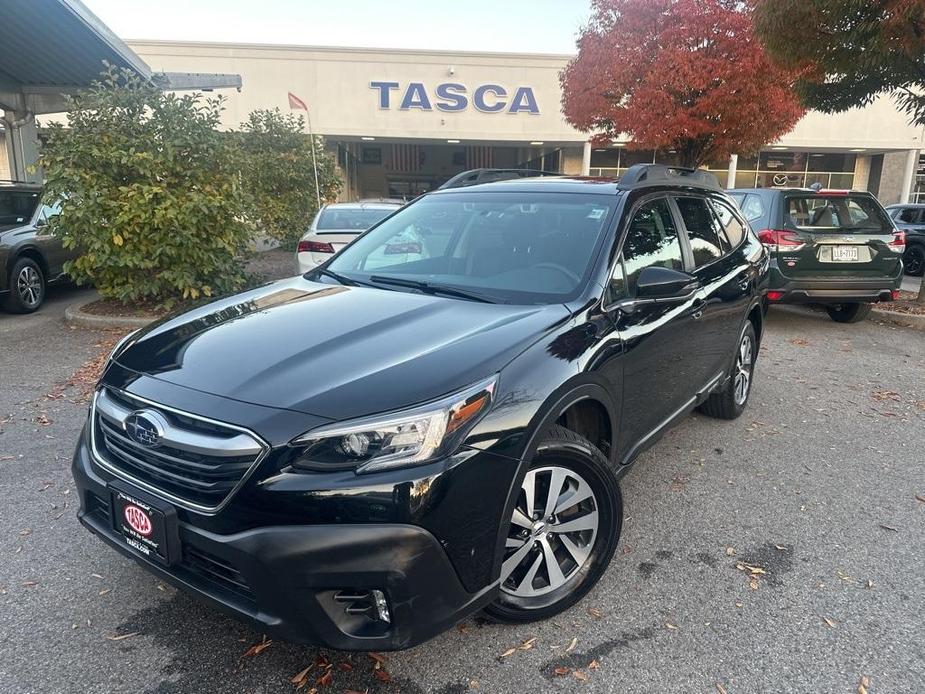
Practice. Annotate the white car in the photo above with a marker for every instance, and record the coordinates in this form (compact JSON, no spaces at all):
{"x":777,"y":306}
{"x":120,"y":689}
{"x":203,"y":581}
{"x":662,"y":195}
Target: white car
{"x":338,"y":224}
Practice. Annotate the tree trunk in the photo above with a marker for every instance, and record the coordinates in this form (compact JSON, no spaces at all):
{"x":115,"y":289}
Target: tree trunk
{"x":921,"y":297}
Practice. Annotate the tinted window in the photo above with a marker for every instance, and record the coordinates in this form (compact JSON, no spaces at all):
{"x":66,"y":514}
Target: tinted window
{"x":16,"y":207}
{"x":750,"y":205}
{"x":910,"y":215}
{"x":514,"y":247}
{"x":732,"y":227}
{"x":838,"y":213}
{"x":651,"y":239}
{"x":703,"y":230}
{"x":350,"y":218}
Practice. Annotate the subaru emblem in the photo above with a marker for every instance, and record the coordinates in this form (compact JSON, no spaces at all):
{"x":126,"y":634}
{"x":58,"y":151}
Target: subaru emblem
{"x":145,"y":428}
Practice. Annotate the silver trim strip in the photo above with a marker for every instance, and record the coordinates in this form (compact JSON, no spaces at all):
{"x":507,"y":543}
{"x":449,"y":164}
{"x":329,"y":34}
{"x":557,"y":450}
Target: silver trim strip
{"x":218,"y":446}
{"x":167,"y":496}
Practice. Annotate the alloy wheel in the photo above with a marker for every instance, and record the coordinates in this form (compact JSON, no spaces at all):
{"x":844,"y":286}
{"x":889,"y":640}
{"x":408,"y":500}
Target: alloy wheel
{"x":914,"y":261}
{"x":552,"y":533}
{"x":743,"y":372}
{"x":29,"y":286}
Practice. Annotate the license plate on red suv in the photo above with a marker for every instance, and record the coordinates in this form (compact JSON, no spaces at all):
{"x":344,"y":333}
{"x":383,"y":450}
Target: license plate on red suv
{"x":147,"y":525}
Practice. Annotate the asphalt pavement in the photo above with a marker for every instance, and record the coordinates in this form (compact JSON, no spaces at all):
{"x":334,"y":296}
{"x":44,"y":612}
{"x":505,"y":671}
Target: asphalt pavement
{"x":782,"y":552}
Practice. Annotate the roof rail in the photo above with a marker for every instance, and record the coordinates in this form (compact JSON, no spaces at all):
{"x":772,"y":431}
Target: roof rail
{"x":654,"y":174}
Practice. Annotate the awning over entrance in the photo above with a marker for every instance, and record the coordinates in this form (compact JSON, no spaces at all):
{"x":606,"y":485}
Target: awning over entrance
{"x":51,"y":48}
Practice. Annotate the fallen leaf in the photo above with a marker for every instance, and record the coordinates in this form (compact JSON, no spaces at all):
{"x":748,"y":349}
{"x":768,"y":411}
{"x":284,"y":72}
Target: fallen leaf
{"x":257,"y":648}
{"x":508,"y":652}
{"x":344,"y":666}
{"x":528,"y":644}
{"x":782,"y":548}
{"x":561,"y":671}
{"x":594,"y":665}
{"x":730,"y":551}
{"x":300,"y":678}
{"x":669,"y":625}
{"x":25,"y":532}
{"x":594,"y":612}
{"x":97,"y":576}
{"x":122,"y":637}
{"x":579,"y":675}
{"x":799,"y":342}
{"x":753,"y":583}
{"x":378,"y":657}
{"x":721,"y":689}
{"x":884,"y":395}
{"x":920,"y":497}
{"x":327,"y":678}
{"x":104,"y":591}
{"x":382,"y":675}
{"x":870,"y":584}
{"x":863,"y":684}
{"x":888,"y":527}
{"x":572,"y":645}
{"x":29,"y":584}
{"x":828,"y":621}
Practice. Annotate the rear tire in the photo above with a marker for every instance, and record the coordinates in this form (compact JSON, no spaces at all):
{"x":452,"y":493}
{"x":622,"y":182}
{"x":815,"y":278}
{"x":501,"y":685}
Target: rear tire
{"x":27,"y":287}
{"x":560,"y":543}
{"x":848,"y":313}
{"x":914,"y":260}
{"x":730,"y":402}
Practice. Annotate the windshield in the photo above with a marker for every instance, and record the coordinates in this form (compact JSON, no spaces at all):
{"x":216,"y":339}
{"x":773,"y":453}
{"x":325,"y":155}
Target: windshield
{"x":17,"y":206}
{"x":351,"y":218}
{"x":509,"y":247}
{"x":836,"y":213}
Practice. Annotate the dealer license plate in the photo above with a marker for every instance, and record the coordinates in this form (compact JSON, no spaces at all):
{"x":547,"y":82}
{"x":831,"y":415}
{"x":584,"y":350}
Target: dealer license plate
{"x":147,"y":525}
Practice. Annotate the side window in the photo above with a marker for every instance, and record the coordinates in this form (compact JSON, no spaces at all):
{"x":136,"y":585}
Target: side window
{"x":751,"y":206}
{"x":651,"y":239}
{"x":910,"y":215}
{"x":732,"y":228}
{"x":706,"y":237}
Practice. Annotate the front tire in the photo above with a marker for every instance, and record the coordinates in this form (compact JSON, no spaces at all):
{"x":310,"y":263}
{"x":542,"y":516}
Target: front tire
{"x":563,"y":531}
{"x":848,"y":313}
{"x":27,"y":287}
{"x":730,"y":402}
{"x":914,"y":260}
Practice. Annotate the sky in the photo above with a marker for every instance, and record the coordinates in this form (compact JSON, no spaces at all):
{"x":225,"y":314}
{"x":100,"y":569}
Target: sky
{"x":534,"y":26}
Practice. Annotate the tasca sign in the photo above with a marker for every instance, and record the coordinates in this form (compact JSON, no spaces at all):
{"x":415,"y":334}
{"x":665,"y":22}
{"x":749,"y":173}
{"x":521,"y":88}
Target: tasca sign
{"x":453,"y":97}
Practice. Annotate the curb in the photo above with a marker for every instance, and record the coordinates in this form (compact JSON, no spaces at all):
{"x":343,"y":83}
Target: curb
{"x":75,"y":315}
{"x":906,"y":320}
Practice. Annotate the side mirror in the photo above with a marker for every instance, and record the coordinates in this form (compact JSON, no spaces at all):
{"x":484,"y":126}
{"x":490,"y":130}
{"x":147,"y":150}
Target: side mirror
{"x":663,"y":283}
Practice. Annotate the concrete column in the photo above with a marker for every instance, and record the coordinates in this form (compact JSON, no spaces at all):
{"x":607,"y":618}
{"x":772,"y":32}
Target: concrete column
{"x":912,"y":162}
{"x":586,"y":160}
{"x":862,"y":172}
{"x":22,"y":146}
{"x":733,"y":169}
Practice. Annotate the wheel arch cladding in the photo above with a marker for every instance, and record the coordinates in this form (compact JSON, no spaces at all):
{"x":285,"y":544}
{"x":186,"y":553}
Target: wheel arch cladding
{"x":32,"y":254}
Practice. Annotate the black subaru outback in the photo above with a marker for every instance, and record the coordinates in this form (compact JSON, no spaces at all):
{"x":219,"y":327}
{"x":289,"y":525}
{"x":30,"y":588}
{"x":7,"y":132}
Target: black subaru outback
{"x":363,"y":456}
{"x":835,"y":248}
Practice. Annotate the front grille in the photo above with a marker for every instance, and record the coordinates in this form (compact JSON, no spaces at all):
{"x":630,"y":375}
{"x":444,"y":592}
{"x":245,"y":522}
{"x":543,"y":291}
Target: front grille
{"x":196,"y":463}
{"x":216,"y":571}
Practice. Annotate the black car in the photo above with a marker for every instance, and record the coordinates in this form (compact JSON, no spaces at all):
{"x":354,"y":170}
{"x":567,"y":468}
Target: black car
{"x":361,"y":458}
{"x":834,"y":248}
{"x":911,"y":220}
{"x":29,"y":258}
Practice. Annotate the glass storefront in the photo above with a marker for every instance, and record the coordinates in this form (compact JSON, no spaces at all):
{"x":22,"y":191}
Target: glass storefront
{"x":769,"y":169}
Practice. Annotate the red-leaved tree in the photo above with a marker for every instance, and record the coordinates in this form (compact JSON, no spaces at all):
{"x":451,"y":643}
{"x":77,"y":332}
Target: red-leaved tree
{"x":684,"y":75}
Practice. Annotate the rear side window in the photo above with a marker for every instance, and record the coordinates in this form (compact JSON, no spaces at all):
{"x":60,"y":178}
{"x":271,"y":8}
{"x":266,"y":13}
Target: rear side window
{"x":651,"y":239}
{"x":836,"y":213}
{"x":910,"y":215}
{"x":750,"y":205}
{"x":732,"y":227}
{"x":707,"y":240}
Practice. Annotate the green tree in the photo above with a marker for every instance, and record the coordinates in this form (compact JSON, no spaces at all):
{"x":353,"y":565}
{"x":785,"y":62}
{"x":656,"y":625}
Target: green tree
{"x":151,"y":192}
{"x":849,"y":51}
{"x":279,"y":174}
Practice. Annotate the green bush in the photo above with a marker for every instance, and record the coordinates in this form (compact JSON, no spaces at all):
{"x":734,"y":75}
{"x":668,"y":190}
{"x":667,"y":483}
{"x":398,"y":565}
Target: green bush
{"x":278,"y":174}
{"x":152,"y":193}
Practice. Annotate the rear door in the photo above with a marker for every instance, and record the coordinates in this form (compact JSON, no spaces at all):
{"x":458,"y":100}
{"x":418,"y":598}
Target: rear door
{"x":835,"y":234}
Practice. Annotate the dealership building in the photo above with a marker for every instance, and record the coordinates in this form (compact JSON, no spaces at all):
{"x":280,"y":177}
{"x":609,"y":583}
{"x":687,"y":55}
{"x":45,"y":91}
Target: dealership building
{"x":401,"y":122}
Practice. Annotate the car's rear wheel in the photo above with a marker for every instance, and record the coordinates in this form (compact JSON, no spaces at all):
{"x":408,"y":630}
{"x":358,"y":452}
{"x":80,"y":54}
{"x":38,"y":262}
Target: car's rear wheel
{"x":848,"y":313}
{"x":914,"y":260}
{"x":27,"y":287}
{"x":563,"y":531}
{"x":730,"y":402}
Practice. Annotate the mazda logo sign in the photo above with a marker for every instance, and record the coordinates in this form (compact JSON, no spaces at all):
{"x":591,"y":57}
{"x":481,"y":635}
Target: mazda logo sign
{"x":146,"y":428}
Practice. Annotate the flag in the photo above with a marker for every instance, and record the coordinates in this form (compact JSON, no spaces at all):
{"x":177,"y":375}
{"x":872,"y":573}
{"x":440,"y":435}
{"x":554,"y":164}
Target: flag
{"x":296,"y":103}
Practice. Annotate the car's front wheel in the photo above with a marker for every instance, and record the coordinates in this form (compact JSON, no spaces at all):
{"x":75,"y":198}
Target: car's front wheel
{"x":848,"y":313}
{"x":563,"y":531}
{"x":27,"y":287}
{"x":914,"y":260}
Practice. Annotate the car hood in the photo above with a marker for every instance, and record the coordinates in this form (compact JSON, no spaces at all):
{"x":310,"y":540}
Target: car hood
{"x":334,"y":351}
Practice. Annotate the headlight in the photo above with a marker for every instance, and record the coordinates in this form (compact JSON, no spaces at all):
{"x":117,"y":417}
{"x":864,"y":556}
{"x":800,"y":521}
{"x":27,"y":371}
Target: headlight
{"x":410,"y":437}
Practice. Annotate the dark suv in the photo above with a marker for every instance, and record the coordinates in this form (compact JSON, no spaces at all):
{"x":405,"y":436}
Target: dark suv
{"x":836,"y":248}
{"x":910,"y":218}
{"x":363,"y":456}
{"x":29,"y":258}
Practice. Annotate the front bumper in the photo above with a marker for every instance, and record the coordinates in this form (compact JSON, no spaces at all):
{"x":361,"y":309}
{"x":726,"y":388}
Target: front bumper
{"x":285,"y":578}
{"x":832,"y":290}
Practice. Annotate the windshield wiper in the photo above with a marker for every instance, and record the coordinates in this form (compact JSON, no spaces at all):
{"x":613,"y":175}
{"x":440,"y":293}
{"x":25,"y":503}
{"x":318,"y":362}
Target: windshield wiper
{"x":430,"y":288}
{"x":336,"y":276}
